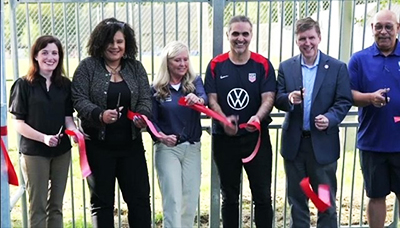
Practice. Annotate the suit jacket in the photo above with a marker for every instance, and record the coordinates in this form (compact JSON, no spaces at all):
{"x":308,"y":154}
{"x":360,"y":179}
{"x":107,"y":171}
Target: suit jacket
{"x":331,"y":97}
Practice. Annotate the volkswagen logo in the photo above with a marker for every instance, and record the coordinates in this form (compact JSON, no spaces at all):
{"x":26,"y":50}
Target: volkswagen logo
{"x":238,"y":98}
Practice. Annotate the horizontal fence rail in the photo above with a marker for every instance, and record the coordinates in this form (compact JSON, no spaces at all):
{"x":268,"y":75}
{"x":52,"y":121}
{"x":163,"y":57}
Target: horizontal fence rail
{"x":201,"y":24}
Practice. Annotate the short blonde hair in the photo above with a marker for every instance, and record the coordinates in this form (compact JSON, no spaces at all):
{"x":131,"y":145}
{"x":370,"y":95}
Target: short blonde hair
{"x":162,"y":79}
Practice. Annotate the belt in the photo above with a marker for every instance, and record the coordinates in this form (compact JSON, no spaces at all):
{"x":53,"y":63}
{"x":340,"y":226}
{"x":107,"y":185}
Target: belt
{"x":306,"y":134}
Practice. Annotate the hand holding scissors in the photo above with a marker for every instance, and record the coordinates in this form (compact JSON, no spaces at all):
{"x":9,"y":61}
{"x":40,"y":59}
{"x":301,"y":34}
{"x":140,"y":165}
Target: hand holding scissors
{"x":53,"y":140}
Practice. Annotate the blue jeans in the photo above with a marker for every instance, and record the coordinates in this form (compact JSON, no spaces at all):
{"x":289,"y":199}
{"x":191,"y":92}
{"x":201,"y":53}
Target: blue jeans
{"x":228,"y":152}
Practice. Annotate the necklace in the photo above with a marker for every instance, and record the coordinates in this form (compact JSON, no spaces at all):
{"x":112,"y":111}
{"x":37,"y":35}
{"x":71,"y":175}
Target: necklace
{"x":115,"y":70}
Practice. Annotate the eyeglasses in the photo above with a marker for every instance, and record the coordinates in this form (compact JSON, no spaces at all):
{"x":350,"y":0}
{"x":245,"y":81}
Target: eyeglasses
{"x":388,"y":27}
{"x":120,"y":24}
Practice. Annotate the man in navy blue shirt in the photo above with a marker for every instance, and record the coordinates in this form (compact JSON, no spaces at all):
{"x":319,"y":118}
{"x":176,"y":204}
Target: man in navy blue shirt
{"x":375,"y":83}
{"x":241,"y":86}
{"x":314,"y":91}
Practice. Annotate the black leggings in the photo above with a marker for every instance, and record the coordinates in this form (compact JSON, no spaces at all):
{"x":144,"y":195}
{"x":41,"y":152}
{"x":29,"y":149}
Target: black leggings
{"x":130,"y":168}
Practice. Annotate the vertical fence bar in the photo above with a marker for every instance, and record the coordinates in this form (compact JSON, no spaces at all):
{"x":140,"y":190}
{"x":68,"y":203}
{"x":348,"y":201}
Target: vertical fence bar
{"x":5,"y":190}
{"x":342,"y":177}
{"x":28,"y":25}
{"x":329,"y":26}
{"x":345,"y":31}
{"x":218,"y":28}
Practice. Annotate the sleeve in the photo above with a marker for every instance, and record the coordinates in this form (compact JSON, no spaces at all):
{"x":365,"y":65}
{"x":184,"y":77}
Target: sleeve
{"x":210,"y":80}
{"x":144,"y":103}
{"x":343,"y":98}
{"x":69,"y":108}
{"x":200,"y":92}
{"x":154,"y":117}
{"x":18,"y":104}
{"x":269,"y":81}
{"x":282,"y":99}
{"x":353,"y":73}
{"x":80,"y":93}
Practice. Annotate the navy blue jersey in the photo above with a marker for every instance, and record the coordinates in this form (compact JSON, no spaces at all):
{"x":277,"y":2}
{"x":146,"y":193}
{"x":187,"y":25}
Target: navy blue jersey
{"x":239,"y":87}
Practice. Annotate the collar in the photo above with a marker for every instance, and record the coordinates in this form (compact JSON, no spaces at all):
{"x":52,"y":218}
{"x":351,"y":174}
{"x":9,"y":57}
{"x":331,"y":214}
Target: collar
{"x":396,"y":51}
{"x":316,"y":62}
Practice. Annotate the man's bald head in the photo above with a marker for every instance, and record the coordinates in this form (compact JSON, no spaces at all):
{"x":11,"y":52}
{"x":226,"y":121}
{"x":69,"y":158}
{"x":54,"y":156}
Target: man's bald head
{"x":386,"y":13}
{"x":385,"y":28}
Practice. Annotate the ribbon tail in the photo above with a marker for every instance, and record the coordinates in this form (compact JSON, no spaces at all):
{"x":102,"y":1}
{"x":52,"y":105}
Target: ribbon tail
{"x":85,"y":168}
{"x":12,"y":175}
{"x":397,"y":119}
{"x":257,"y":148}
{"x":318,"y":202}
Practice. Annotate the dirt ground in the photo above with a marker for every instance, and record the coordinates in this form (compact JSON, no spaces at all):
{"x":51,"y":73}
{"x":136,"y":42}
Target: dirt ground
{"x":349,"y":213}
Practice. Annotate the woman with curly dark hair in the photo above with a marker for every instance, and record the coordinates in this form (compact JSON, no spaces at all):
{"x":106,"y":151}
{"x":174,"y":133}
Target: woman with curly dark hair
{"x":104,"y":87}
{"x":41,"y":105}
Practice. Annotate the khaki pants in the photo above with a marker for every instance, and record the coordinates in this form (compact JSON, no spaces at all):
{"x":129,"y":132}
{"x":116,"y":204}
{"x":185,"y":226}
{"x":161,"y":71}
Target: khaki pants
{"x":179,"y":175}
{"x":45,"y":179}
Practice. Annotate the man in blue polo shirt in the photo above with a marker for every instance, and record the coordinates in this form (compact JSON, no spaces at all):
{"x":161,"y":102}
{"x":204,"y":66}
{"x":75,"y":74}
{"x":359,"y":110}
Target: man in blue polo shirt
{"x":375,"y":82}
{"x":240,"y":85}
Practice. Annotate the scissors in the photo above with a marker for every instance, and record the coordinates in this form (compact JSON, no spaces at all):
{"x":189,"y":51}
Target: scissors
{"x":386,"y":97}
{"x":118,"y":101}
{"x":59,"y":135}
{"x":301,"y":93}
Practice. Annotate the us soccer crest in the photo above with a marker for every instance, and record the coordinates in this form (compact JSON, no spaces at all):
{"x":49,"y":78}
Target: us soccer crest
{"x":252,"y":77}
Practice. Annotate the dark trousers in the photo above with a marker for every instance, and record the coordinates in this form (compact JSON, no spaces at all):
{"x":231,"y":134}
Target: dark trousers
{"x":130,"y":168}
{"x":228,"y":152}
{"x":305,"y":165}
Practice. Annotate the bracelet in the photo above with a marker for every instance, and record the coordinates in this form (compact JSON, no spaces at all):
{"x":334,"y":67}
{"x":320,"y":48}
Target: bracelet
{"x":101,"y":117}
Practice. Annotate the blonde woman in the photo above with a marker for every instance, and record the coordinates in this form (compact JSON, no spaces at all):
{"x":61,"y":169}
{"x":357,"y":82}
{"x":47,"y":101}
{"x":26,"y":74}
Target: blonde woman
{"x":177,"y":154}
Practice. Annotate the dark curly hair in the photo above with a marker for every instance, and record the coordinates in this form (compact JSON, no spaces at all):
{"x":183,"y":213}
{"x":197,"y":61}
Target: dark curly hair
{"x":34,"y":69}
{"x":104,"y":33}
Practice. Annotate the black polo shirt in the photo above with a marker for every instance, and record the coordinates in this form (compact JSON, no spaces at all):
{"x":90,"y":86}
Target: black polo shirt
{"x":44,"y":111}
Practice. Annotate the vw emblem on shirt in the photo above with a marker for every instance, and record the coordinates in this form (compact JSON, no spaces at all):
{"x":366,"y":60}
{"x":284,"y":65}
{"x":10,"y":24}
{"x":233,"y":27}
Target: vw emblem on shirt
{"x":238,"y":98}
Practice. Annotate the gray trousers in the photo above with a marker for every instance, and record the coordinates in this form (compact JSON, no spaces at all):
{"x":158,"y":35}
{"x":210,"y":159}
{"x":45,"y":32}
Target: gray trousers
{"x":179,"y":175}
{"x":305,"y":165}
{"x":45,"y":179}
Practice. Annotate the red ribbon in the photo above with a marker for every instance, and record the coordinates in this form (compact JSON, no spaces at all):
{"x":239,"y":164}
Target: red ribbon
{"x":12,"y":175}
{"x":205,"y":110}
{"x":153,"y":129}
{"x":397,"y":119}
{"x":255,"y":124}
{"x":85,"y":168}
{"x":322,"y":201}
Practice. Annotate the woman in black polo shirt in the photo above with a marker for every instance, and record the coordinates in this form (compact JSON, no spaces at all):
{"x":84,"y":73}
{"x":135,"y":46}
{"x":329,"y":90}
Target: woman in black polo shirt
{"x":41,"y":105}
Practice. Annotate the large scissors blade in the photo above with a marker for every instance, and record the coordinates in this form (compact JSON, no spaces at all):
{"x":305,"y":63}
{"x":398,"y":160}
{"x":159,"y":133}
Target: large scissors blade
{"x":118,"y":101}
{"x":58,"y":134}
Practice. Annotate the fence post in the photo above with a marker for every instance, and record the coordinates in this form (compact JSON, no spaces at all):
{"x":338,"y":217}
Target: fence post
{"x":346,"y":14}
{"x":5,"y":191}
{"x":218,"y":28}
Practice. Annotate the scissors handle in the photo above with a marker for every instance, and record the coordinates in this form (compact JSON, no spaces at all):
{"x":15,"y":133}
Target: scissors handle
{"x":301,"y":93}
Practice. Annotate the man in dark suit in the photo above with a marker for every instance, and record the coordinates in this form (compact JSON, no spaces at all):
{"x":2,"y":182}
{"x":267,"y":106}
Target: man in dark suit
{"x":314,"y":90}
